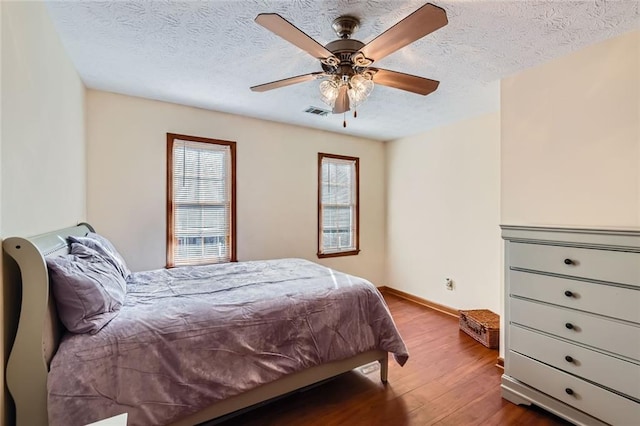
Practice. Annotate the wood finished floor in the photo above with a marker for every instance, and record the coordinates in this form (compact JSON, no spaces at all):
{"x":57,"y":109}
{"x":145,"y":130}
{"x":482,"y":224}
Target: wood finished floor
{"x":450,"y":379}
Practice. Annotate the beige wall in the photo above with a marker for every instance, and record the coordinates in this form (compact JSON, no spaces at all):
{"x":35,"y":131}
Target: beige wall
{"x":276,"y":182}
{"x":571,"y":139}
{"x":42,"y":168}
{"x":443,"y":190}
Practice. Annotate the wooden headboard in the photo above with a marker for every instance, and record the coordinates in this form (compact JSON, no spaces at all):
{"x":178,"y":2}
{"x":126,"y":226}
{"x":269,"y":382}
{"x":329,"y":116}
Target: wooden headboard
{"x":39,"y":329}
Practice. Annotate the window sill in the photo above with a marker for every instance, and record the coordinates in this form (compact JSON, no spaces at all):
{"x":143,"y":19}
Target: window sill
{"x":199,"y":263}
{"x":338,"y":254}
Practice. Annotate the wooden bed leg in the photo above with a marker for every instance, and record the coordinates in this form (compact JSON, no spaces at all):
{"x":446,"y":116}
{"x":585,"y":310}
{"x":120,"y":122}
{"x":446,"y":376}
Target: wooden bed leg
{"x":384,"y":367}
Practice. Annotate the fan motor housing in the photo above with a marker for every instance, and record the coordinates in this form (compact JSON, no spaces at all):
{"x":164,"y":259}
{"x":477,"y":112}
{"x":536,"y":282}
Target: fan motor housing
{"x":342,"y":49}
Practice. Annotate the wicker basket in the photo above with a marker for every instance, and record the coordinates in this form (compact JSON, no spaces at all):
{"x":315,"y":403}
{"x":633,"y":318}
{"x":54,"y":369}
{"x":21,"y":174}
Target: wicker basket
{"x":483,"y":325}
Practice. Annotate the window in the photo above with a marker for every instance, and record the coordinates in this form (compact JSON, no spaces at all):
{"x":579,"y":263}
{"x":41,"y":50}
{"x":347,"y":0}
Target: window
{"x":201,"y":194}
{"x":338,"y":210}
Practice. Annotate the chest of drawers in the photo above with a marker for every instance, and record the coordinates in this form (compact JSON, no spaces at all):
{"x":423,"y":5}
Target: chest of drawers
{"x":572,"y":322}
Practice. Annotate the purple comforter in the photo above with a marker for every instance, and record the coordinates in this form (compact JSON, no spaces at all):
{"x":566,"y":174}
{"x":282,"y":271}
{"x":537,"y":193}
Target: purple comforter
{"x":188,"y":337}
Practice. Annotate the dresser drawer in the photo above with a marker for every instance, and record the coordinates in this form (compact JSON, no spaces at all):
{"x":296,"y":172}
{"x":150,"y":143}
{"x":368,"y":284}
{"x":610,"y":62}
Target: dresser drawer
{"x":612,"y":301}
{"x":622,"y":376}
{"x":613,"y":266}
{"x":592,"y":399}
{"x":613,"y":336}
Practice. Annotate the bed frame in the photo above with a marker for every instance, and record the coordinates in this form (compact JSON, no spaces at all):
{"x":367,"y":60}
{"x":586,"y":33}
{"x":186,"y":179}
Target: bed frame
{"x":39,"y":332}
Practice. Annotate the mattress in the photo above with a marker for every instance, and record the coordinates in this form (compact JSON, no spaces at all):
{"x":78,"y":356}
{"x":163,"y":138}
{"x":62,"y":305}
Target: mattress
{"x":190,"y":336}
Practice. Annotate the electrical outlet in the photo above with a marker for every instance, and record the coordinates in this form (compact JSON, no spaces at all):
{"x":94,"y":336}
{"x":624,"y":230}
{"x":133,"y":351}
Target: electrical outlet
{"x":448,"y":283}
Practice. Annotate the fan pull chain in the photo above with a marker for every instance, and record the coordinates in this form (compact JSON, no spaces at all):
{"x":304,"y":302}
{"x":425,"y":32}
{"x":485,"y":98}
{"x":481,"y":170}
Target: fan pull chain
{"x":355,"y":113}
{"x":344,"y":119}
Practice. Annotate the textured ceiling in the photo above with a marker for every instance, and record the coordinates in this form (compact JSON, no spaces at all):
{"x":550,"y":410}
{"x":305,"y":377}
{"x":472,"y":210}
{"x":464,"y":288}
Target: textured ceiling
{"x":208,"y":53}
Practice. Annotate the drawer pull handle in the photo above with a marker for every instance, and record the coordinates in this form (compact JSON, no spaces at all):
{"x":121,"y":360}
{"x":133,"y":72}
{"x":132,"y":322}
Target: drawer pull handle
{"x":568,"y":261}
{"x":568,"y":358}
{"x":568,"y":293}
{"x":569,"y":391}
{"x":569,"y":326}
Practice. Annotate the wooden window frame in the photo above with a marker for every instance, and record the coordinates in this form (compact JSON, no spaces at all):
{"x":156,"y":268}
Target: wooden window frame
{"x":171,"y":240}
{"x":356,"y":160}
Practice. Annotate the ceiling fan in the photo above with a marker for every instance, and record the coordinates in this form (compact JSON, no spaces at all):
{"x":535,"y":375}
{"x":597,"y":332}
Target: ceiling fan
{"x":346,"y":63}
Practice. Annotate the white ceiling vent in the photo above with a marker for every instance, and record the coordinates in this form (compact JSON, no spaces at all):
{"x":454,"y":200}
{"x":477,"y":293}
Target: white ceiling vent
{"x":317,"y":111}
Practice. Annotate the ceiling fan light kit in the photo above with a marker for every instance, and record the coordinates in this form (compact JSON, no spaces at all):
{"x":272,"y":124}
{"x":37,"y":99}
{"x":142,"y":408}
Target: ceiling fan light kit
{"x":358,"y":86}
{"x":348,"y":77}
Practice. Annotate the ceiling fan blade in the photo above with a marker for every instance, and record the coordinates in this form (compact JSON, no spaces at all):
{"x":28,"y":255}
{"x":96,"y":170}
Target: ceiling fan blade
{"x":408,"y":82}
{"x":423,"y":21}
{"x":286,"y":82}
{"x":285,"y":29}
{"x":342,"y":101}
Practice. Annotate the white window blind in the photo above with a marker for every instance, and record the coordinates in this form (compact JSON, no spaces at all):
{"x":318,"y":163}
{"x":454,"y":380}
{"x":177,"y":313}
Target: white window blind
{"x":338,"y":206}
{"x":201,"y":202}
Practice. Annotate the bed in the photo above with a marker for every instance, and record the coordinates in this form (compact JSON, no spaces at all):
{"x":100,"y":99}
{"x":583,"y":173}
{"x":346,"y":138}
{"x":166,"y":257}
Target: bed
{"x":186,"y":314}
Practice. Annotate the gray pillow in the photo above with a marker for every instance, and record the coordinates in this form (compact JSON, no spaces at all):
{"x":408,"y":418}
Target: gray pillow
{"x":103,"y":246}
{"x":88,"y":289}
